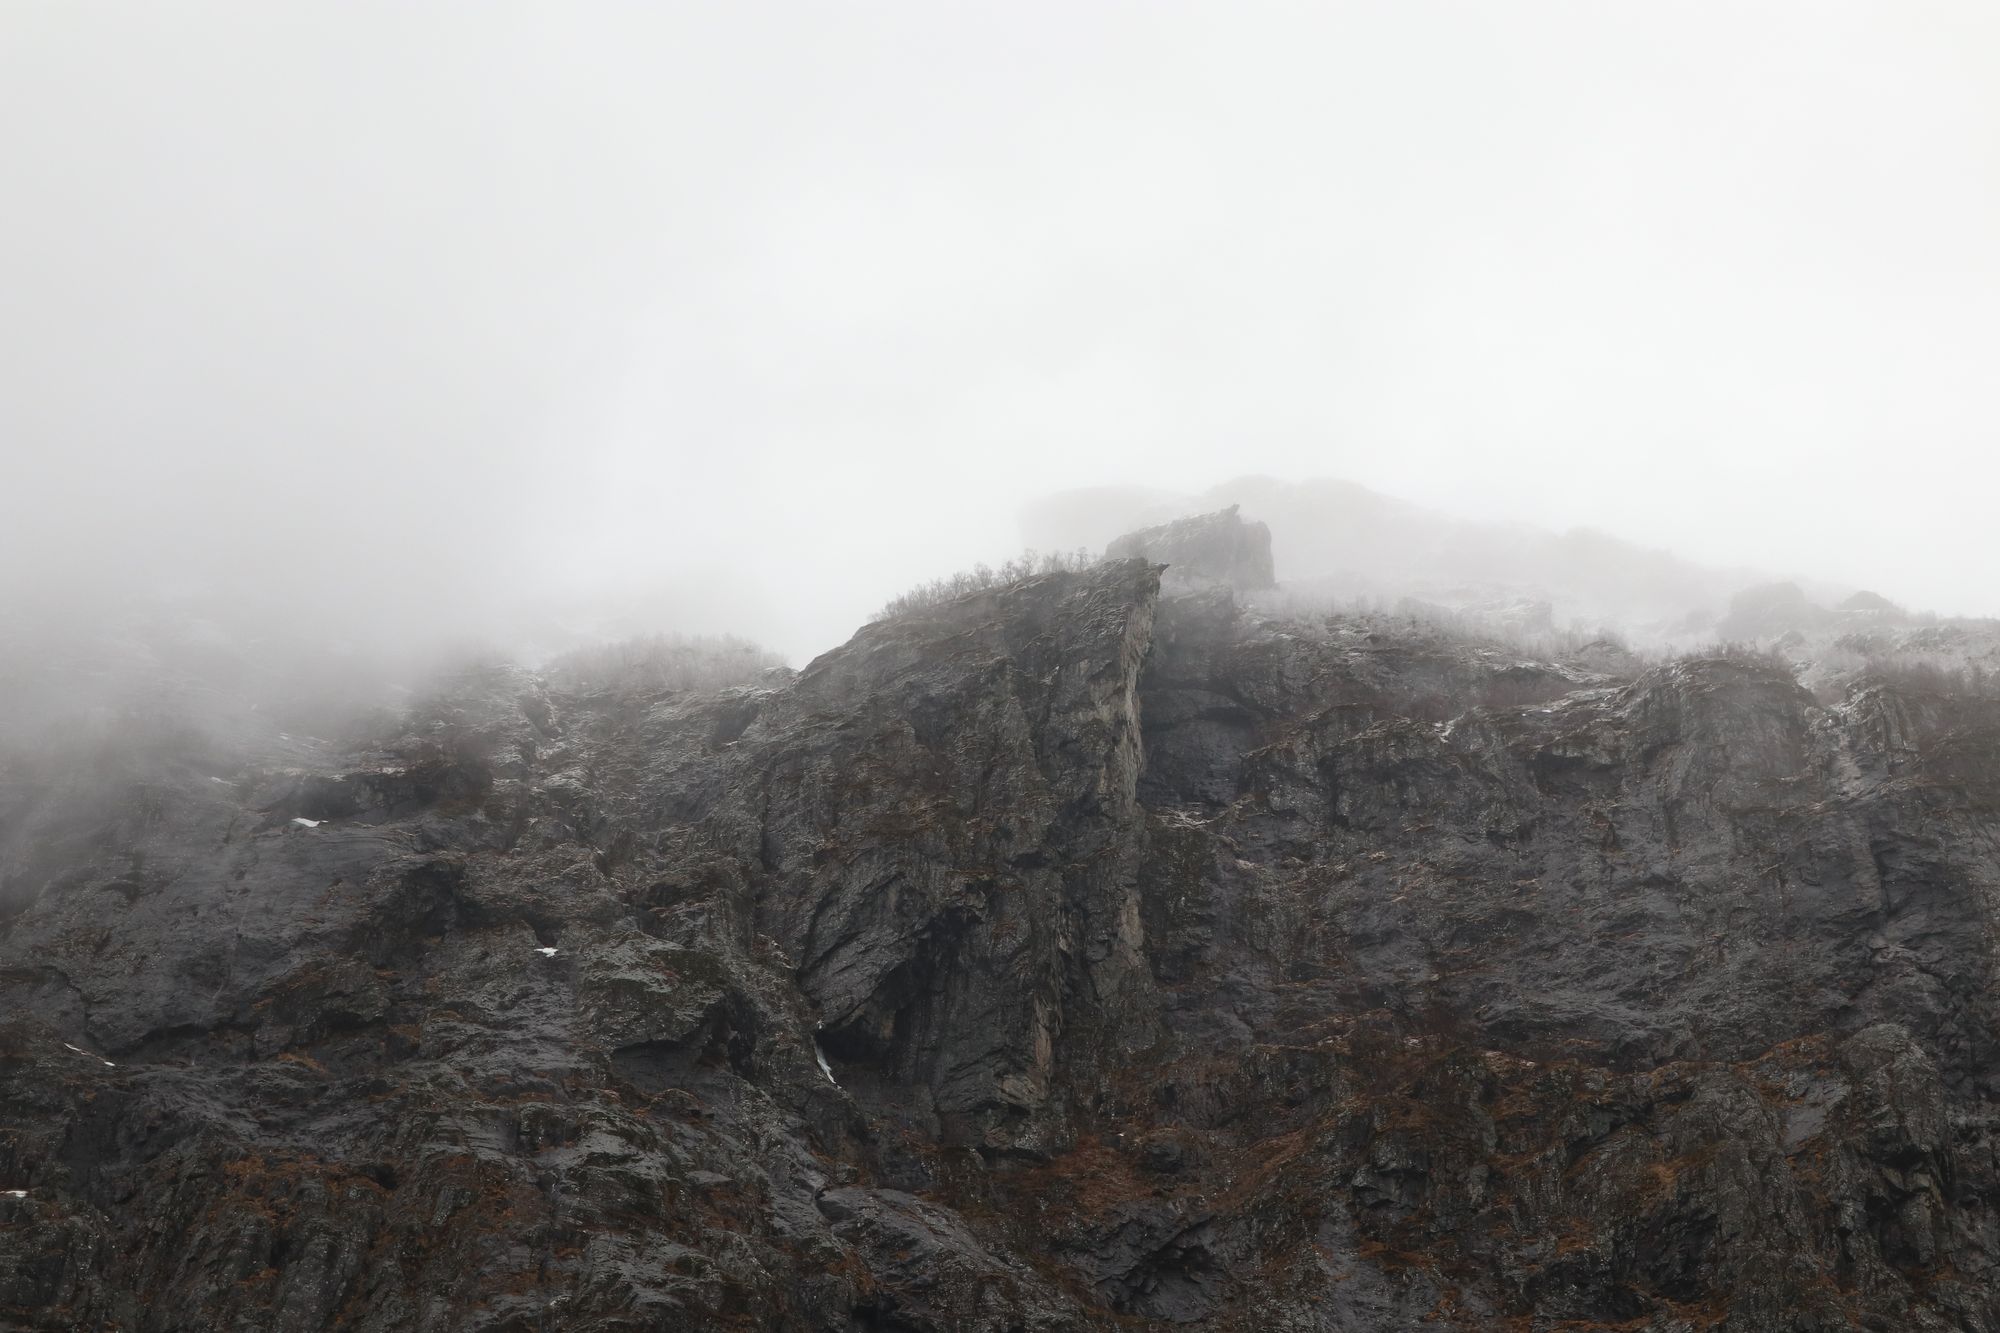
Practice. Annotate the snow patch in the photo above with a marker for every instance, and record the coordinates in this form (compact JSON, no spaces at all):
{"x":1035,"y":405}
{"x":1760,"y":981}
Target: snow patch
{"x":303,"y":822}
{"x":820,"y":1056}
{"x":80,"y":1051}
{"x":547,"y":952}
{"x":14,"y":1194}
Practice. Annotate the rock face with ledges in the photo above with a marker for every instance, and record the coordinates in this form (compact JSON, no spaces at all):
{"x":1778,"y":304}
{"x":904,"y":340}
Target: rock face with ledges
{"x":1071,"y":955}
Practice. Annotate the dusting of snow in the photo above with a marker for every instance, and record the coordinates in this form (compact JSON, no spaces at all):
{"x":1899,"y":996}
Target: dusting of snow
{"x":303,"y":822}
{"x":820,"y":1055}
{"x":223,"y":781}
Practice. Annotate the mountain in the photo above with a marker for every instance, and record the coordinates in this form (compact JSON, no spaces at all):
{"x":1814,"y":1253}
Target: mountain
{"x":1072,"y":954}
{"x":1341,"y":541}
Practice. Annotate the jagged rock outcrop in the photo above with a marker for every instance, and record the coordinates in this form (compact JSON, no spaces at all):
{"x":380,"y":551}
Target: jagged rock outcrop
{"x":1067,"y":956}
{"x":1218,"y":548}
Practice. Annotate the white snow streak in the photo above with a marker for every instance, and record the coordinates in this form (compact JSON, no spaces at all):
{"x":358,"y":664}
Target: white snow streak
{"x":824,"y":1067}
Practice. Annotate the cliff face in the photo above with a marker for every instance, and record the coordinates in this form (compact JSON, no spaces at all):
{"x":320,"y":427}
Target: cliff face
{"x":1062,"y":957}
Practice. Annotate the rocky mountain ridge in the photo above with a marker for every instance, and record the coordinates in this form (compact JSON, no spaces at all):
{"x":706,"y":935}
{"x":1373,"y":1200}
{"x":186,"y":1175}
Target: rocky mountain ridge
{"x":1066,"y":956}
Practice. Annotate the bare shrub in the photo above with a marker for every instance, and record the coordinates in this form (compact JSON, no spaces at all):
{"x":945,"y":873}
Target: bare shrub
{"x":982,"y":578}
{"x":1747,"y":654}
{"x":1942,"y":679}
{"x":1472,"y":628}
{"x":1935,"y":675}
{"x":658,"y":662}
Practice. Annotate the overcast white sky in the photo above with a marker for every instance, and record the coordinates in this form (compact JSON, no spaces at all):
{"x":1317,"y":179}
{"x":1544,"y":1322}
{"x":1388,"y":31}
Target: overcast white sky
{"x":422,"y":308}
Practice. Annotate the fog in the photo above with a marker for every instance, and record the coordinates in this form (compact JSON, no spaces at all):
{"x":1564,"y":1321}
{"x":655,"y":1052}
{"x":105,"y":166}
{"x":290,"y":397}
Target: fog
{"x":395,"y":325}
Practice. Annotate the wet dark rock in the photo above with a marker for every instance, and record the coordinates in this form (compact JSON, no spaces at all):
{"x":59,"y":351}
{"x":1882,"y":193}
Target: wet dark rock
{"x":1065,"y":956}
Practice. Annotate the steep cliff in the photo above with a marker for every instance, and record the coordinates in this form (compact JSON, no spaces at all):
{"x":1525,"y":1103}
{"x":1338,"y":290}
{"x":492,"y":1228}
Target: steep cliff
{"x":1065,"y":956}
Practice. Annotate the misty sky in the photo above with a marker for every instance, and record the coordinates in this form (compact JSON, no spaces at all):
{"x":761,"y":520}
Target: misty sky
{"x":412,"y":312}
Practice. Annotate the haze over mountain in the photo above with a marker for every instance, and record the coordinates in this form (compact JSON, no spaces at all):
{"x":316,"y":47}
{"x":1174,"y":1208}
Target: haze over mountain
{"x":1520,"y":856}
{"x":392,"y":318}
{"x":201,"y":649}
{"x":1340,"y":540}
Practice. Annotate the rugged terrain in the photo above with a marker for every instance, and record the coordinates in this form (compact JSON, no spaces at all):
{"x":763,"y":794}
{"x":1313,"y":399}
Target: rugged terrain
{"x":1066,"y":956}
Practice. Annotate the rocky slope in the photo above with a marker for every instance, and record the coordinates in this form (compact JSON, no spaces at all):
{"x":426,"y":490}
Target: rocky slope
{"x":1068,"y":956}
